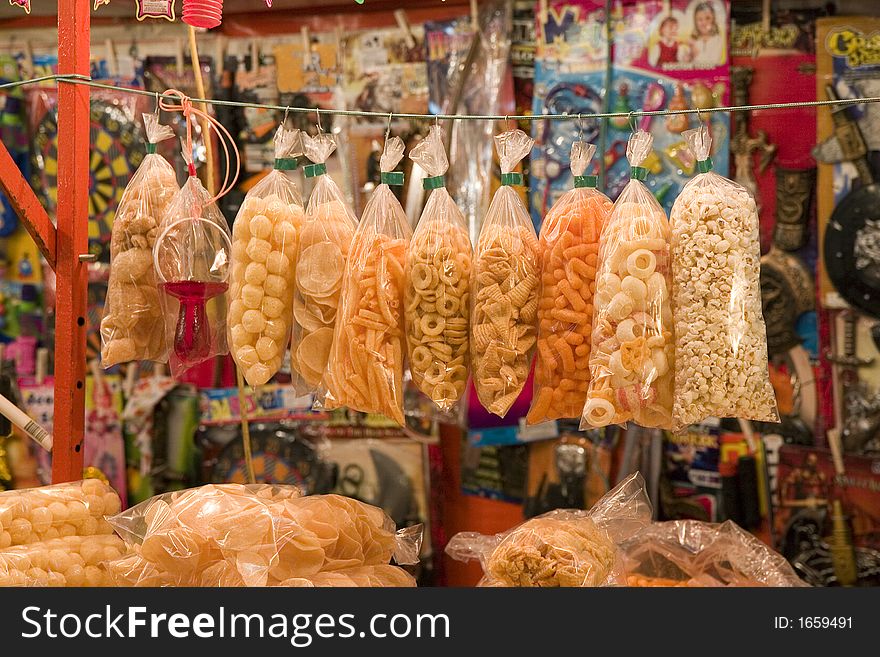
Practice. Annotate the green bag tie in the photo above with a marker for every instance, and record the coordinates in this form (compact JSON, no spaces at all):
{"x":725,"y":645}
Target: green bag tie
{"x":312,"y":170}
{"x":512,"y":178}
{"x":433,"y":183}
{"x":586,"y":181}
{"x":392,"y":178}
{"x":286,"y":163}
{"x":638,"y":173}
{"x":704,"y":166}
{"x":151,"y":148}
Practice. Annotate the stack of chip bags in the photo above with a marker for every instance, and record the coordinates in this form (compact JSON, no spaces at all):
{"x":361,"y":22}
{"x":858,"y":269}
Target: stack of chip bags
{"x":133,"y":327}
{"x":325,"y":240}
{"x":569,"y":244}
{"x":264,"y":250}
{"x":365,"y":368}
{"x":631,"y":361}
{"x":258,"y":535}
{"x":720,"y":337}
{"x":505,"y":290}
{"x":192,"y":257}
{"x":438,"y":284}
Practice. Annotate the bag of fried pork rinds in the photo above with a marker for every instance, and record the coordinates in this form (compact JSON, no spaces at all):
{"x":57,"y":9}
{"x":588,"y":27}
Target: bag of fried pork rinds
{"x":505,"y":313}
{"x":324,"y":243}
{"x":133,"y":327}
{"x":569,"y":244}
{"x":564,"y":547}
{"x":438,"y":284}
{"x":365,"y":368}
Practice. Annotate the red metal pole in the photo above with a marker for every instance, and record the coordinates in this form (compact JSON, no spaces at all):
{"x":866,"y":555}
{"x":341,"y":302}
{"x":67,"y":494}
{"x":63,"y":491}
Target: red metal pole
{"x":72,"y":240}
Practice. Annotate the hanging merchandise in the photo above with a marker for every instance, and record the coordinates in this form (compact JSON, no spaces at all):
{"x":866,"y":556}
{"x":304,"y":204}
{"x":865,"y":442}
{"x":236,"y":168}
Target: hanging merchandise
{"x":264,"y":265}
{"x":192,"y":257}
{"x":720,"y":338}
{"x":324,"y":245}
{"x":104,"y":446}
{"x":133,"y":328}
{"x":632,"y":350}
{"x":505,"y":290}
{"x":569,"y":245}
{"x":438,"y":283}
{"x":365,"y":367}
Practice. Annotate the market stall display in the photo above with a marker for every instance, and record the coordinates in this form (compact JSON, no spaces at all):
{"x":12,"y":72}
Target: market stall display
{"x":262,"y":279}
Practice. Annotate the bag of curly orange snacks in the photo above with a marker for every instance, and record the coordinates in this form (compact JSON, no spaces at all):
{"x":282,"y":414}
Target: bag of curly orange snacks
{"x":322,"y":252}
{"x":262,"y":279}
{"x":365,"y":369}
{"x":507,"y":265}
{"x":631,"y":360}
{"x":438,"y":283}
{"x":133,"y":327}
{"x":569,"y":246}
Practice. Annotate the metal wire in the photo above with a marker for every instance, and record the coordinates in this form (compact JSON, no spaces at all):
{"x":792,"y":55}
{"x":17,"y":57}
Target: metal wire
{"x":84,"y":80}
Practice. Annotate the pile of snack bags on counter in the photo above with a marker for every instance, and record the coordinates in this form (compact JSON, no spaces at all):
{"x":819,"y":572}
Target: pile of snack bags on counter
{"x":259,"y":535}
{"x":629,"y":315}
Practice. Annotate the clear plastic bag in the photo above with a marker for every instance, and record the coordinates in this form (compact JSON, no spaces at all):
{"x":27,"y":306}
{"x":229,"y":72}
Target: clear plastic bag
{"x":720,"y":338}
{"x":70,"y":561}
{"x":264,"y":249}
{"x":252,"y":535}
{"x":380,"y":576}
{"x":192,"y":259}
{"x":504,"y":321}
{"x":694,"y":553}
{"x":631,"y":360}
{"x":365,"y":368}
{"x":438,"y":282}
{"x":322,"y":254}
{"x":569,"y":245}
{"x":77,"y":508}
{"x":133,"y":328}
{"x":565,"y":547}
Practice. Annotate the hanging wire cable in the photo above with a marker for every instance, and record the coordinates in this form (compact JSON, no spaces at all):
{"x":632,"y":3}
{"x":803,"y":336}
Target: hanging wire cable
{"x":79,"y":79}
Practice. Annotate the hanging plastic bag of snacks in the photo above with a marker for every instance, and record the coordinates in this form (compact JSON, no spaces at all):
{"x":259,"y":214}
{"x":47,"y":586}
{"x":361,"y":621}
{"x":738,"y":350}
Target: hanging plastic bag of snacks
{"x":133,"y":327}
{"x":323,"y":250}
{"x":505,"y":315}
{"x":631,"y":368}
{"x":264,"y":251}
{"x":192,"y":256}
{"x":365,"y":369}
{"x":569,"y":244}
{"x":720,"y":338}
{"x":438,"y":280}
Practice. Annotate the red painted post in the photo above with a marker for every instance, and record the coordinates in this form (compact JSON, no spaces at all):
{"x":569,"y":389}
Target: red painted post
{"x":27,"y":206}
{"x":72,"y":241}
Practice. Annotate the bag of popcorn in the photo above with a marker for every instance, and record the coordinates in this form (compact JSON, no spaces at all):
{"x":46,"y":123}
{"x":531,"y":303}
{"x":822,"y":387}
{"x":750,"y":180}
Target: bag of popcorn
{"x":631,"y":373}
{"x":437,"y":303}
{"x":569,"y":245}
{"x":720,"y":338}
{"x":264,"y":247}
{"x":133,"y":327}
{"x":505,"y":314}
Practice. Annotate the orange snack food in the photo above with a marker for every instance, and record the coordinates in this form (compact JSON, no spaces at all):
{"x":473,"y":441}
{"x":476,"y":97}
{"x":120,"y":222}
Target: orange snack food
{"x":568,"y":246}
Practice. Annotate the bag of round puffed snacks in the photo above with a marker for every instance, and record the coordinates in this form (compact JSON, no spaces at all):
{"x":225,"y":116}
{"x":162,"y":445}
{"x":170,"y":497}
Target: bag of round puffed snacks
{"x":365,"y":369}
{"x":133,"y":327}
{"x":264,"y":249}
{"x":438,"y":283}
{"x":505,"y":316}
{"x":322,"y":253}
{"x":720,"y":337}
{"x":631,"y":372}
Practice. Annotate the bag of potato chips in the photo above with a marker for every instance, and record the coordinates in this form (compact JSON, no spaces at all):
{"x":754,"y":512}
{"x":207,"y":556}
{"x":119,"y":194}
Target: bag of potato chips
{"x":631,"y":361}
{"x":569,"y":244}
{"x":264,"y":265}
{"x":324,"y":244}
{"x":365,"y":369}
{"x":133,"y":327}
{"x":192,"y":256}
{"x":504,"y":319}
{"x":438,"y":280}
